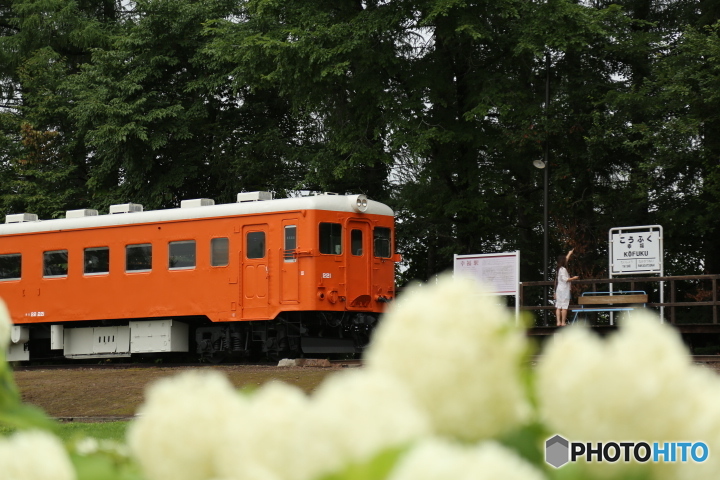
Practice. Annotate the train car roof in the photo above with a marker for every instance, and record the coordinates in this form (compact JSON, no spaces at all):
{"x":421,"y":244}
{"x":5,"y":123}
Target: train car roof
{"x":337,"y":203}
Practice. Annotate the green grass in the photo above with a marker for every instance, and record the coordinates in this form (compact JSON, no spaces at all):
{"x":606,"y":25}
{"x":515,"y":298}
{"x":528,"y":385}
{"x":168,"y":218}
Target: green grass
{"x":104,"y":430}
{"x":67,"y":431}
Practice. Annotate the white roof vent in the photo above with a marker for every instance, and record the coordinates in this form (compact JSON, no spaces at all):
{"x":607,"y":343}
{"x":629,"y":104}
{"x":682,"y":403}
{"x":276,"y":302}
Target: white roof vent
{"x":197,"y":202}
{"x":254,"y":196}
{"x":126,"y":208}
{"x":84,"y":212}
{"x":21,"y":218}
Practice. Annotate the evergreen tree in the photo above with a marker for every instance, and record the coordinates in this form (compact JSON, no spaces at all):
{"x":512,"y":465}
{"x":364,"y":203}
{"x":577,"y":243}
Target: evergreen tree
{"x":436,"y":107}
{"x":42,"y":43}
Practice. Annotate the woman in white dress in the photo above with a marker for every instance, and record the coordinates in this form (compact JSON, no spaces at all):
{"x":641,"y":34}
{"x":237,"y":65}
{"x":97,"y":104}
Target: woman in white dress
{"x":562,"y":289}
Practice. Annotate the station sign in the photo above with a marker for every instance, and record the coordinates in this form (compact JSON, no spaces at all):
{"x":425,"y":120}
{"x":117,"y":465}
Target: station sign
{"x":636,"y":250}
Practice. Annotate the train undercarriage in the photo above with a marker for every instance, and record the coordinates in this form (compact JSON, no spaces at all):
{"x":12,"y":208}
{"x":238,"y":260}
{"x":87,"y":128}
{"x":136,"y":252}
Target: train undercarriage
{"x":292,"y":335}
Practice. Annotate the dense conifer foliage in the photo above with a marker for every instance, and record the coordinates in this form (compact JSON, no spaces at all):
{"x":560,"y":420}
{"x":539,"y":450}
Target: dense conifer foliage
{"x":436,"y":107}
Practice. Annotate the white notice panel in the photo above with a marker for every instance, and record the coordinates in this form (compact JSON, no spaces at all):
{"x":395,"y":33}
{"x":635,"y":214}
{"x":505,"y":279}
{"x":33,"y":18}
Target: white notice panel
{"x":500,"y":272}
{"x":636,"y":250}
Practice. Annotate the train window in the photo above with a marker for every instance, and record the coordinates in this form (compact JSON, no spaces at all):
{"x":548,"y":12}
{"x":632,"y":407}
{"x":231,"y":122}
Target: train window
{"x":356,"y":242}
{"x":382,"y":242}
{"x":255,"y":245}
{"x":55,"y":263}
{"x":97,"y":260}
{"x":10,"y":266}
{"x":138,"y":258}
{"x":181,"y":254}
{"x":219,"y":252}
{"x":331,"y":238}
{"x":290,"y":243}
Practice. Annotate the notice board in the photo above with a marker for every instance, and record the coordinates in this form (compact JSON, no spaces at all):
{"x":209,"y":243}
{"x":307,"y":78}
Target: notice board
{"x":498,"y":272}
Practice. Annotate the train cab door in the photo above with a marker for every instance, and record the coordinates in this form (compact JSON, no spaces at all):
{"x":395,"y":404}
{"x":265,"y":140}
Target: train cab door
{"x":357,"y":272}
{"x":255,"y":271}
{"x":290,"y":281}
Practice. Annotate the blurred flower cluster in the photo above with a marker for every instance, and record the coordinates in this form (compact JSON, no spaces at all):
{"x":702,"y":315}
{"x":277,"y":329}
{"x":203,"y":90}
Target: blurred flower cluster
{"x":447,"y":391}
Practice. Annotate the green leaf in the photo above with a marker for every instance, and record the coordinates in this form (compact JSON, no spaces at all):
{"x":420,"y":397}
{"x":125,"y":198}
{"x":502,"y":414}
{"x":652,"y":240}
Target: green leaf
{"x":100,"y":466}
{"x":528,"y":442}
{"x":25,"y":417}
{"x":377,"y":468}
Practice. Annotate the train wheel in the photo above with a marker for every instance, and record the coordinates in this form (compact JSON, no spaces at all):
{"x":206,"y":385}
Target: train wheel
{"x":216,"y":357}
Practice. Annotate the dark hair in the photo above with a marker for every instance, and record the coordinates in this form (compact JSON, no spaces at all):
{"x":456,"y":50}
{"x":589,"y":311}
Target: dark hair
{"x":561,"y":261}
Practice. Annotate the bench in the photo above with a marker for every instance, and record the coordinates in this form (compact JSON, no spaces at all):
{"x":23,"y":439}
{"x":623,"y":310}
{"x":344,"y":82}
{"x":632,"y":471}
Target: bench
{"x":610,"y":302}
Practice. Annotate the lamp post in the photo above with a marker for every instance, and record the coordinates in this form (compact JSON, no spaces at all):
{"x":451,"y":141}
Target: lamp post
{"x":544,"y":164}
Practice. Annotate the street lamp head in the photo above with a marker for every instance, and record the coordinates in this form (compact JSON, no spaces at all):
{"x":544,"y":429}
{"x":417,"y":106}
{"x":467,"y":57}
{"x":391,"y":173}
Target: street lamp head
{"x":539,"y":164}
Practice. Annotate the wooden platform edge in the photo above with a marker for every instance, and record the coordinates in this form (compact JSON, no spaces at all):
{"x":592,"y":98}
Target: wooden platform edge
{"x":695,"y":358}
{"x":691,"y":328}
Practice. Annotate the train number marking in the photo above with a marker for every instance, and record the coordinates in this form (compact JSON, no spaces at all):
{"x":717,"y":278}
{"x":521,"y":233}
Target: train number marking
{"x":35,"y":314}
{"x":327,"y":275}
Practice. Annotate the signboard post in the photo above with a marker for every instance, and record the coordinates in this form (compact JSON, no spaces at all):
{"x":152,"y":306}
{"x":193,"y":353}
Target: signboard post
{"x":498,"y":272}
{"x":637,"y":250}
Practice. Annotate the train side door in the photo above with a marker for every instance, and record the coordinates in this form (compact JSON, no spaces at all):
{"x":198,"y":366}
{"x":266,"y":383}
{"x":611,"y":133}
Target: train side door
{"x":290,"y":281}
{"x":357,"y":273}
{"x":255,"y":271}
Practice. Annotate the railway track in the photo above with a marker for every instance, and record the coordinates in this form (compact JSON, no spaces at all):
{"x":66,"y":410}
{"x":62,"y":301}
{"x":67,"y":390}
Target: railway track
{"x":313,"y":363}
{"x":317,"y":363}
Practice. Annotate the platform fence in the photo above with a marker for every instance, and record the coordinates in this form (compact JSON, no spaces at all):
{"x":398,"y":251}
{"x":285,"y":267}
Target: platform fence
{"x":691,"y":301}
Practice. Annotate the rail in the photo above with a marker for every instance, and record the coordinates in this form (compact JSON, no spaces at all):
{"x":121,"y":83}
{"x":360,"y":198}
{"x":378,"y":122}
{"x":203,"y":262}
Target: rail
{"x":693,"y":291}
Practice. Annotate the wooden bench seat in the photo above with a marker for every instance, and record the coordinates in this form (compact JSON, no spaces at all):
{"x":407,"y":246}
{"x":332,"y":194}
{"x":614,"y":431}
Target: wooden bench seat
{"x":609,"y":302}
{"x":632,"y":298}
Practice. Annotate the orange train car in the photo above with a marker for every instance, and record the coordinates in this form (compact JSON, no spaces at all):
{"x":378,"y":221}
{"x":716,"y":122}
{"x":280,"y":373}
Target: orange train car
{"x":286,"y":276}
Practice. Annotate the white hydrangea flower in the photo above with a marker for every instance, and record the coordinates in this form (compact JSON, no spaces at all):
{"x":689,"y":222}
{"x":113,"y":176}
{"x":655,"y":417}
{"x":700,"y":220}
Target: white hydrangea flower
{"x":5,"y":326}
{"x":437,"y":459}
{"x":285,"y":434}
{"x":638,"y":385}
{"x":34,"y":455}
{"x":271,"y":440}
{"x":89,"y":446}
{"x":459,"y":353}
{"x":362,"y":412}
{"x":177,"y":433}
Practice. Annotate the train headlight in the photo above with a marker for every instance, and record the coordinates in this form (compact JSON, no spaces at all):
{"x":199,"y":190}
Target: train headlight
{"x":359,"y":203}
